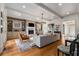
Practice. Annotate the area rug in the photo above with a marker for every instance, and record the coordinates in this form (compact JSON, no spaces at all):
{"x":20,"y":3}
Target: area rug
{"x":23,"y":46}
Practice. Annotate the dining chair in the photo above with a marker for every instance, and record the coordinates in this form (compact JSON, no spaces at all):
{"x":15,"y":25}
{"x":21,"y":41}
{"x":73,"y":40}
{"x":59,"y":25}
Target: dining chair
{"x":67,"y":50}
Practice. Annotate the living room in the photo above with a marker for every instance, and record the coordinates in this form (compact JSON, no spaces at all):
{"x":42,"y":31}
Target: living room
{"x":35,"y":27}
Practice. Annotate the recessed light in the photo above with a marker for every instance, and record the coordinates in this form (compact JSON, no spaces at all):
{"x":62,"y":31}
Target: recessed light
{"x":67,"y":13}
{"x":23,"y":6}
{"x":60,"y":4}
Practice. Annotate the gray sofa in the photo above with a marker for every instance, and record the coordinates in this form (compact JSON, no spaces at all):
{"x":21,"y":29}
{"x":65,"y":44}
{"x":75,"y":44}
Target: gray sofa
{"x":43,"y":40}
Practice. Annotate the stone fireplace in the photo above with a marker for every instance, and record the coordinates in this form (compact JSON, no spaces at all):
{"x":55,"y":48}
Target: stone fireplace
{"x":31,"y":28}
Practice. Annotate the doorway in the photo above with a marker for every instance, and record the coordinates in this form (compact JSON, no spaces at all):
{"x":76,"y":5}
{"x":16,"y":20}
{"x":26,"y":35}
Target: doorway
{"x":69,"y":29}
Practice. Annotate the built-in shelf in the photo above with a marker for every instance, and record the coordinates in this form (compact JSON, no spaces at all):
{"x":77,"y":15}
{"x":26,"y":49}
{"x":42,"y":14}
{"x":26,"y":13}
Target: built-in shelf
{"x":13,"y":24}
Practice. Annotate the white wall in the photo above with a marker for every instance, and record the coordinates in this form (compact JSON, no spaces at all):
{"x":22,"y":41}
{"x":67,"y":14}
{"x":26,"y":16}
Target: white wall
{"x":3,"y":36}
{"x":57,"y":21}
{"x":71,"y":18}
{"x":77,"y":25}
{"x":69,"y":28}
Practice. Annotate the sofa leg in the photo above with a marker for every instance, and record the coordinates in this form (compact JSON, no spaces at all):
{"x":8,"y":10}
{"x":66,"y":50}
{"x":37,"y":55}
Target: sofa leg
{"x":58,"y":52}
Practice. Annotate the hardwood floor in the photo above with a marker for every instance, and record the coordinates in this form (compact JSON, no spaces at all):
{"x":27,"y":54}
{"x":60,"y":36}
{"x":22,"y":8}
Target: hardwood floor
{"x":49,"y":50}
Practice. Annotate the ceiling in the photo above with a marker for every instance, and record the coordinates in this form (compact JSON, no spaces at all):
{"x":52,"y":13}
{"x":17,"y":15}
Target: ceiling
{"x":64,"y":9}
{"x":31,"y":11}
{"x":34,"y":10}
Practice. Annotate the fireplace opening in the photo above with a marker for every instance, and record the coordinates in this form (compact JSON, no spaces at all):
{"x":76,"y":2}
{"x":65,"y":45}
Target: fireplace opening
{"x":31,"y":31}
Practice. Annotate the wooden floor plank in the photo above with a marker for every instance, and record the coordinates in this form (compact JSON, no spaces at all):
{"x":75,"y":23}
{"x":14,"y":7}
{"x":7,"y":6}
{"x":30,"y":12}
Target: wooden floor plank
{"x":49,"y":50}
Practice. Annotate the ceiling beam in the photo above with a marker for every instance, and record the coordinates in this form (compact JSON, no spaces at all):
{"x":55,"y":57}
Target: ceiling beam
{"x":48,"y":9}
{"x":29,"y":14}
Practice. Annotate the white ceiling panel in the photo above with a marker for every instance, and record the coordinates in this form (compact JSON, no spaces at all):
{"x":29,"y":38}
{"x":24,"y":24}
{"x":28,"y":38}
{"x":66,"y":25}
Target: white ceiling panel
{"x":64,"y":8}
{"x":35,"y":11}
{"x":31,"y":9}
